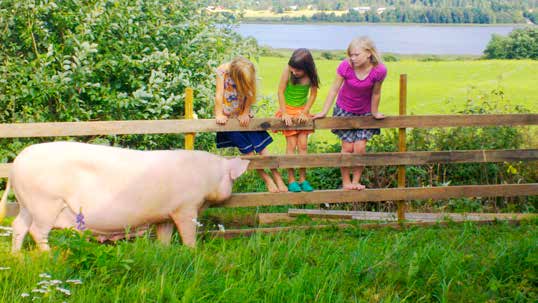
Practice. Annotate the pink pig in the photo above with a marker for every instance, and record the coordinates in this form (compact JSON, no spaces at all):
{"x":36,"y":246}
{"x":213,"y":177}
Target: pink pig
{"x":115,"y":189}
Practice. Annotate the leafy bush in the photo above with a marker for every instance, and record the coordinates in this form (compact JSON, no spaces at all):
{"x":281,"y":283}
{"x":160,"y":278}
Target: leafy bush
{"x":521,"y":43}
{"x":390,"y":58}
{"x":102,"y":60}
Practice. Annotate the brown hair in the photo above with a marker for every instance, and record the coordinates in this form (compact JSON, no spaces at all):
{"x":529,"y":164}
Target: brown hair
{"x":243,"y":74}
{"x":302,"y":59}
{"x":365,"y":44}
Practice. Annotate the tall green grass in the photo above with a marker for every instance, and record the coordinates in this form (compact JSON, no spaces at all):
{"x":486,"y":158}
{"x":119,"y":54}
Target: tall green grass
{"x":459,"y":263}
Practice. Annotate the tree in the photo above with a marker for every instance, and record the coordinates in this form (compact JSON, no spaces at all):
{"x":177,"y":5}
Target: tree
{"x":520,"y":44}
{"x":102,"y":60}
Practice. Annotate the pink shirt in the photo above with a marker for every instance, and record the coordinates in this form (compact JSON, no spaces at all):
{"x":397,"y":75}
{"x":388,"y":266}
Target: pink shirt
{"x":355,"y":95}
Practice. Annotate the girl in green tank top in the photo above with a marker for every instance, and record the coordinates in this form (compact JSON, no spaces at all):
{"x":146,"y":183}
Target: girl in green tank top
{"x":298,"y":79}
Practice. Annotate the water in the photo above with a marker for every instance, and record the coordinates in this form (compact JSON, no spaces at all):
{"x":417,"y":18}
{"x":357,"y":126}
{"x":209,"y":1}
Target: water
{"x":400,"y":39}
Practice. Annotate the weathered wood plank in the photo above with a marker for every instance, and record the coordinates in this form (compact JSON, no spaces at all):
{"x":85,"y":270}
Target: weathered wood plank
{"x":427,"y":121}
{"x":4,"y":169}
{"x":391,"y":194}
{"x":345,"y":196}
{"x":390,"y":158}
{"x":59,"y":129}
{"x":376,"y":159}
{"x":413,"y":216}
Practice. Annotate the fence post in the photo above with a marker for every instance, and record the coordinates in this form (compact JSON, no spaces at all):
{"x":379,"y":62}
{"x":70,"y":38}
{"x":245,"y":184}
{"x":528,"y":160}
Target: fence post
{"x":402,"y":143}
{"x":189,"y":110}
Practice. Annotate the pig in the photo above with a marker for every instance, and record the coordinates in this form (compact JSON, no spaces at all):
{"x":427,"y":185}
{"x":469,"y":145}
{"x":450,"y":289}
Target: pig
{"x":115,"y":189}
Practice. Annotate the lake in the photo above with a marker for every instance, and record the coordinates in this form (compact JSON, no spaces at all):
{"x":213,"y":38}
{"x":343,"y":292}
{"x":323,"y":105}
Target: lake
{"x":400,"y":39}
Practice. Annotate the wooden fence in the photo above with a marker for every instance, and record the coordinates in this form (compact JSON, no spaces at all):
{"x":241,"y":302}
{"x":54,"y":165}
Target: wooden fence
{"x":400,"y":159}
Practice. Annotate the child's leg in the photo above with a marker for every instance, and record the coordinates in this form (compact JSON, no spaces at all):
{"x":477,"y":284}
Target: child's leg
{"x":347,"y":148}
{"x":291,"y":146}
{"x":302,"y":144}
{"x":271,"y":186}
{"x":359,"y":147}
{"x":276,"y":175}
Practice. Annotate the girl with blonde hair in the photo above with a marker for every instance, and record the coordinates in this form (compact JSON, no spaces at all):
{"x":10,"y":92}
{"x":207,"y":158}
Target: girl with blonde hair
{"x":358,"y":86}
{"x":235,"y":94}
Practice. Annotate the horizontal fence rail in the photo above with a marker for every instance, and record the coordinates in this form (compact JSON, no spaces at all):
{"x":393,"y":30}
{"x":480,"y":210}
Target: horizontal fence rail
{"x":367,"y":195}
{"x":376,"y":159}
{"x":391,"y":158}
{"x":60,"y":129}
{"x":377,"y":195}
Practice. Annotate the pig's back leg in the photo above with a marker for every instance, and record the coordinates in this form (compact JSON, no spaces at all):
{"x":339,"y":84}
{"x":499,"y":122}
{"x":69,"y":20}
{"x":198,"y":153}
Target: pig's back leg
{"x":164,"y":232}
{"x":44,"y":216}
{"x":21,"y":225}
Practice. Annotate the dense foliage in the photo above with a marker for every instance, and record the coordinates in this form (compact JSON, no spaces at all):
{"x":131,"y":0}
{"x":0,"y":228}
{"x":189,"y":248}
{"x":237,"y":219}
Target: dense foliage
{"x":416,"y":11}
{"x":519,"y":44}
{"x":86,"y":60}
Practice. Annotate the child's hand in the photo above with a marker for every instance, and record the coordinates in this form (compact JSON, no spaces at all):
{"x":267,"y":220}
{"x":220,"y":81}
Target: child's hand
{"x":378,"y":116}
{"x":286,"y":119}
{"x":221,"y":119}
{"x":244,"y":119}
{"x":319,"y":116}
{"x":303,"y":117}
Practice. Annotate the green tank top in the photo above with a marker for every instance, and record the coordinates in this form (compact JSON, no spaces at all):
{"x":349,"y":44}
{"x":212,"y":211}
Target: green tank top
{"x":296,"y":95}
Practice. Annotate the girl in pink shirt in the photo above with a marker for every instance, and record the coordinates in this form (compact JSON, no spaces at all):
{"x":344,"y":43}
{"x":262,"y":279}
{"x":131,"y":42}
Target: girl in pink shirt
{"x":358,"y":85}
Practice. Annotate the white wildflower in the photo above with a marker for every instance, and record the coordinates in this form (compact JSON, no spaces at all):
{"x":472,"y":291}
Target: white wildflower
{"x":55,"y":282}
{"x":6,"y":228}
{"x":74,"y":281}
{"x":196,"y":222}
{"x":24,"y":295}
{"x":40,"y":290}
{"x":221,"y":227}
{"x":44,"y":275}
{"x":45,"y":282}
{"x":5,"y":268}
{"x":66,"y":292}
{"x":5,"y":235}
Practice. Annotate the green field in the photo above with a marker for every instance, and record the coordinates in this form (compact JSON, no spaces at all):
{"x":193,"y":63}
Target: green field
{"x":460,"y":263}
{"x":434,"y":87}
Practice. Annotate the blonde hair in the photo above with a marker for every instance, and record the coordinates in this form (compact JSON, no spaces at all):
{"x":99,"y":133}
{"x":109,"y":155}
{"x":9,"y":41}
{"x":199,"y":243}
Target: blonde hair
{"x":365,"y":44}
{"x":243,"y":74}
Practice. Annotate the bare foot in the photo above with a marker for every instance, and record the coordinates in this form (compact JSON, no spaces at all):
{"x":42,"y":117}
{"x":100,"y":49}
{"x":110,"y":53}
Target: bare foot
{"x":349,"y":186}
{"x":358,"y":186}
{"x":281,"y":186}
{"x":271,"y":186}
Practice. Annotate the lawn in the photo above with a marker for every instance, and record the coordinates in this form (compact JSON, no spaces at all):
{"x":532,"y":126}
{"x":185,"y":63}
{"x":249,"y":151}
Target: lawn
{"x":434,"y":87}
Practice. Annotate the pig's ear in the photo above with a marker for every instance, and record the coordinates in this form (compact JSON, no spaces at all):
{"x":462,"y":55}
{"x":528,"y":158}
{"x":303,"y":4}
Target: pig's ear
{"x":237,"y":167}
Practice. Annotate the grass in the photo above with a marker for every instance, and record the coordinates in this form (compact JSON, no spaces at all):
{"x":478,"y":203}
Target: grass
{"x":434,"y":87}
{"x":460,"y":263}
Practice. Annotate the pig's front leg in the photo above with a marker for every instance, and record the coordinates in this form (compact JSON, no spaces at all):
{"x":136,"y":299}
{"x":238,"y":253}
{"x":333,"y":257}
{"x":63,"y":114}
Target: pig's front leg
{"x":185,"y":219}
{"x":164,"y":232}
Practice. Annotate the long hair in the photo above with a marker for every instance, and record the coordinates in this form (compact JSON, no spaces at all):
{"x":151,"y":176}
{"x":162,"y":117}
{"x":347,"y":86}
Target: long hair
{"x":243,"y":74}
{"x":302,"y":59}
{"x":365,"y":44}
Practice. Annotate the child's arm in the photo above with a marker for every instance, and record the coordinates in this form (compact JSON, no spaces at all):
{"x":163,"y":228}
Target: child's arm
{"x":303,"y":117}
{"x":337,"y":83}
{"x":219,"y":96}
{"x":376,"y":97}
{"x":281,"y":99}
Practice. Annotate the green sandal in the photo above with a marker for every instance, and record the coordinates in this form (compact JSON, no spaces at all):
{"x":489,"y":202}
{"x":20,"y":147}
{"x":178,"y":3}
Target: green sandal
{"x":305,"y":186}
{"x":294,"y":187}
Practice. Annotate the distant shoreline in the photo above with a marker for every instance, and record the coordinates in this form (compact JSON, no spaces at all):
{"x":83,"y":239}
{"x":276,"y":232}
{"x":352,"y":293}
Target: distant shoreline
{"x":338,"y":54}
{"x":251,"y":21}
